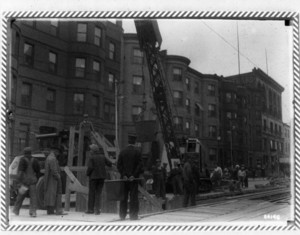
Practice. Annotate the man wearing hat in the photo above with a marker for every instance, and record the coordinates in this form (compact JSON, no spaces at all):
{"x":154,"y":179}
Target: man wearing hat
{"x":97,"y":173}
{"x":53,"y":184}
{"x":28,"y":174}
{"x":130,"y":166}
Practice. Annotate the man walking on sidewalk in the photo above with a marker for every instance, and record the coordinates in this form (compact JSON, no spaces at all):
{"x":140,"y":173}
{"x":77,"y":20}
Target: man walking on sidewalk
{"x":28,"y":174}
{"x":130,"y":167}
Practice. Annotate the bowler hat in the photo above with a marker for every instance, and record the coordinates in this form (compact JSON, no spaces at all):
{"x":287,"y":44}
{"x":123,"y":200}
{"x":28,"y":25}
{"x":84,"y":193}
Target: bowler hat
{"x":27,"y":150}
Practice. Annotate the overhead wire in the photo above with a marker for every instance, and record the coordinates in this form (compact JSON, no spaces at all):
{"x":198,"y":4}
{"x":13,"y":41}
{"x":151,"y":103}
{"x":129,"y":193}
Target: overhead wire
{"x":226,"y":41}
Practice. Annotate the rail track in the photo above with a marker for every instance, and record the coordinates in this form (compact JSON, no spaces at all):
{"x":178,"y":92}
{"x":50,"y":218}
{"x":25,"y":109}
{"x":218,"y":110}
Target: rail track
{"x":280,"y":196}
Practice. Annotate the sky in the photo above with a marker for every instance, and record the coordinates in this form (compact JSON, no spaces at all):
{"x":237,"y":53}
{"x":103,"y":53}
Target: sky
{"x":212,"y":47}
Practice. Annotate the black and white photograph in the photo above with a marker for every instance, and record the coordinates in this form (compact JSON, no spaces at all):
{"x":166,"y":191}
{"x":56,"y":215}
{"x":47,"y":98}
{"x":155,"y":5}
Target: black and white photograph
{"x":141,"y":120}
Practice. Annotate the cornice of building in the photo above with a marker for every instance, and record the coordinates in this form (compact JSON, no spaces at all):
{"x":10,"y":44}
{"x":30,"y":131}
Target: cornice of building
{"x":178,"y":58}
{"x":268,"y":79}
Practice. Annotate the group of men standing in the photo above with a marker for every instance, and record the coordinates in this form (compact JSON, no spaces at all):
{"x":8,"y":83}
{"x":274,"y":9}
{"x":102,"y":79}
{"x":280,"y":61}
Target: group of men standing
{"x":129,"y":165}
{"x":28,"y":175}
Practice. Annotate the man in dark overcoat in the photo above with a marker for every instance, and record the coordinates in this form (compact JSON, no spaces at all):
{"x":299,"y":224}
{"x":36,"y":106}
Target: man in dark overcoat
{"x":130,"y":167}
{"x":53,"y":184}
{"x":97,"y":173}
{"x":190,"y":184}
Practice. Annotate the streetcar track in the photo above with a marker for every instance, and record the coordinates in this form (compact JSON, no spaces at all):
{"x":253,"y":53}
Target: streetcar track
{"x":232,"y":199}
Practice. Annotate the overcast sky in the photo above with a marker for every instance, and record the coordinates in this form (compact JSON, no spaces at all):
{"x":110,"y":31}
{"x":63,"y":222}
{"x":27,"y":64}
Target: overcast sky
{"x":211,"y":45}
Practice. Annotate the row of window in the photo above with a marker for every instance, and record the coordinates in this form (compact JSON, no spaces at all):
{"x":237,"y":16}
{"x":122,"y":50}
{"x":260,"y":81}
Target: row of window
{"x":273,"y":145}
{"x":80,"y":63}
{"x":273,"y":128}
{"x":177,"y":76}
{"x":81,"y":31}
{"x":78,"y":103}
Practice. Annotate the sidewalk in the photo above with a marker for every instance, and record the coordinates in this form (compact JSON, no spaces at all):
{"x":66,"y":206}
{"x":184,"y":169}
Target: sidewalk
{"x":73,"y":217}
{"x":82,"y":218}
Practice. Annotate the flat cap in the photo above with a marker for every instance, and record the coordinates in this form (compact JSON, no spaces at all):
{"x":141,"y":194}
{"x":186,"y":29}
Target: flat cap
{"x":94,"y":147}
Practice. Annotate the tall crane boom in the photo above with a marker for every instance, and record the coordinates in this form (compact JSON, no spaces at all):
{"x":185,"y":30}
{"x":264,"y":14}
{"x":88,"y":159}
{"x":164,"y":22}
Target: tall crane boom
{"x":150,"y":42}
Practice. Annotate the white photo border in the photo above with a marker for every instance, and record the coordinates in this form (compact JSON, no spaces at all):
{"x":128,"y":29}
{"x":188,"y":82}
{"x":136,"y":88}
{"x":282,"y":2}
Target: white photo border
{"x":293,"y":17}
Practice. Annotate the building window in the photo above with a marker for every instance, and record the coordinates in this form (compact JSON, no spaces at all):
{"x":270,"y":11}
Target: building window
{"x":112,"y":113}
{"x":137,"y":84}
{"x":112,"y":51}
{"x":54,"y":27}
{"x":111,"y":81}
{"x":212,"y":131}
{"x":197,"y":129}
{"x":279,"y":130}
{"x":96,"y":67}
{"x":265,"y":125}
{"x":228,"y":97}
{"x":95,"y":106}
{"x":264,"y":144}
{"x":79,"y":67}
{"x":78,"y":103}
{"x":211,"y":90}
{"x":23,"y":136}
{"x":178,"y":123}
{"x":81,"y":32}
{"x":177,"y":74}
{"x":52,"y":62}
{"x":26,"y":94}
{"x":212,"y":154}
{"x":106,"y":112}
{"x":97,"y":36}
{"x":196,"y":88}
{"x":187,"y":126}
{"x":28,"y":54}
{"x":197,"y":110}
{"x":212,"y":110}
{"x":231,"y":115}
{"x":16,"y":44}
{"x":187,"y":83}
{"x":188,"y":105}
{"x":138,"y":56}
{"x":271,"y":127}
{"x":51,"y":98}
{"x":178,"y":99}
{"x":136,"y":111}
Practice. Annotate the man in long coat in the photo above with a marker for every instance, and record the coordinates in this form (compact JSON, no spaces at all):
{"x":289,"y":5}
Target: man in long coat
{"x":97,"y":173}
{"x":130,"y":167}
{"x":53,"y":184}
{"x":190,"y":185}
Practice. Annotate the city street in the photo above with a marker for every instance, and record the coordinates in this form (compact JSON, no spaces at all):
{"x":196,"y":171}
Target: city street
{"x":251,"y":206}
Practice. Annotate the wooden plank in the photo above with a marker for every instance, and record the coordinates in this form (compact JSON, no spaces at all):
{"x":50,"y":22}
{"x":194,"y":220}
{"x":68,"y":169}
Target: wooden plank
{"x":69,"y":163}
{"x":152,"y":200}
{"x":75,"y":185}
{"x":80,"y":201}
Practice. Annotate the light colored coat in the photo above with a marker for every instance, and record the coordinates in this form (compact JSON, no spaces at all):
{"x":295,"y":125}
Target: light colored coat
{"x":52,"y":180}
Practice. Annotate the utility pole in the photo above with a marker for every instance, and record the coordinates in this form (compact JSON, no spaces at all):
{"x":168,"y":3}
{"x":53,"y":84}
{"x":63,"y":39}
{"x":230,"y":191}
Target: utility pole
{"x":238,"y":46}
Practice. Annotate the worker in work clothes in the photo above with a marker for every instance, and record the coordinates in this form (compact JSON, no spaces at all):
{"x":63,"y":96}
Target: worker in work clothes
{"x":190,"y":184}
{"x":130,"y":167}
{"x":53,"y":184}
{"x":28,"y":174}
{"x":159,"y":180}
{"x":97,"y":173}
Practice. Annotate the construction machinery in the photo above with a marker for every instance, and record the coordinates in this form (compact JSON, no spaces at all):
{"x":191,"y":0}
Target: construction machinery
{"x":150,"y":41}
